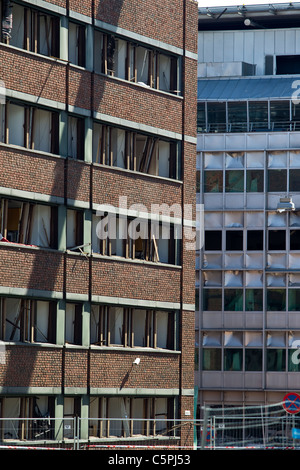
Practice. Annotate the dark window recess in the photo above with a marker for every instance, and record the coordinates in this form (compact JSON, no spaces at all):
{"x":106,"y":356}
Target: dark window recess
{"x":295,"y":240}
{"x":213,"y":181}
{"x":213,"y":240}
{"x":201,"y":119}
{"x":294,"y":180}
{"x":276,"y":300}
{"x":288,"y":64}
{"x":255,"y":181}
{"x":277,"y":240}
{"x":255,"y":240}
{"x":269,"y":64}
{"x":234,"y":240}
{"x":277,"y":180}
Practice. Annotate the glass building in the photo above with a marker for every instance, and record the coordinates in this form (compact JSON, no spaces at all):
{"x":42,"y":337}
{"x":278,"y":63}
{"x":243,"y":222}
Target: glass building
{"x":248,"y":182}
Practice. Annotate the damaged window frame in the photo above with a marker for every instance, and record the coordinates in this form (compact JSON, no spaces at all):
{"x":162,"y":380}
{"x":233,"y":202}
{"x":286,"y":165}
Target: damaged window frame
{"x":25,"y":417}
{"x":137,"y":152}
{"x":158,"y":242}
{"x":17,"y":220}
{"x":41,"y":30}
{"x":25,"y":324}
{"x":29,"y":131}
{"x":146,"y":416}
{"x":114,"y":326}
{"x":139,"y":63}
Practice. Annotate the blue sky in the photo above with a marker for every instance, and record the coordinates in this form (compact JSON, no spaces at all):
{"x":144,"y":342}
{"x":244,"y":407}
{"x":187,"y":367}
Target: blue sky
{"x":226,"y":3}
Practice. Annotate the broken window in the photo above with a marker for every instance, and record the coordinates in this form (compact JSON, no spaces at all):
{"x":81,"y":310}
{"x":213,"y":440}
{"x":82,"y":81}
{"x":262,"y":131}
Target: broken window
{"x":32,"y":128}
{"x":133,"y":151}
{"x":277,"y":240}
{"x":255,"y":240}
{"x":73,"y":323}
{"x":234,"y":181}
{"x":254,"y":300}
{"x":131,"y":327}
{"x":276,"y":299}
{"x":212,"y":299}
{"x":116,"y":235}
{"x":213,"y":181}
{"x":28,"y":320}
{"x":21,"y":418}
{"x":127,"y":416}
{"x":76,"y":137}
{"x":119,"y":58}
{"x":28,"y":223}
{"x":77,"y":44}
{"x":35,"y":31}
{"x":255,"y":181}
{"x":233,"y":300}
{"x":213,"y":240}
{"x":74,"y":229}
{"x":234,"y":240}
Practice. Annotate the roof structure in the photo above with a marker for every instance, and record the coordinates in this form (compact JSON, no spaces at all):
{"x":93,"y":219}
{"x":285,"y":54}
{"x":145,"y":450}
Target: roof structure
{"x":280,"y":15}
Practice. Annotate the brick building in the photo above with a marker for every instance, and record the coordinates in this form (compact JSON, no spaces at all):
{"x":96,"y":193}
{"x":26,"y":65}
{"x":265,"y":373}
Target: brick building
{"x":98,"y":130}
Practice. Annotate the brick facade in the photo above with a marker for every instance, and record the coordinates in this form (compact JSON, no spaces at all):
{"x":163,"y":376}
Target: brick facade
{"x":30,"y":175}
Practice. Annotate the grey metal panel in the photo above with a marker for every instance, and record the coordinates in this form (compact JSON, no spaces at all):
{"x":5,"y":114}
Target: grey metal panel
{"x":245,"y":88}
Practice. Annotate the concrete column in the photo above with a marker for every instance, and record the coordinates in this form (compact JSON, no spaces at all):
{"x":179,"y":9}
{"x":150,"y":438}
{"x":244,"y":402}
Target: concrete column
{"x":60,"y":322}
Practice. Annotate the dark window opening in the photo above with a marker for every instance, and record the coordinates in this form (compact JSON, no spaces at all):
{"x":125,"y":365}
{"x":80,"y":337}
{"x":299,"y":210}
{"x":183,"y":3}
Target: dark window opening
{"x":276,"y":300}
{"x":288,"y":65}
{"x":277,"y":180}
{"x":255,"y":240}
{"x":212,"y":299}
{"x":294,"y":180}
{"x":277,"y":240}
{"x":234,"y":240}
{"x":295,"y":240}
{"x":213,"y":240}
{"x":254,"y":300}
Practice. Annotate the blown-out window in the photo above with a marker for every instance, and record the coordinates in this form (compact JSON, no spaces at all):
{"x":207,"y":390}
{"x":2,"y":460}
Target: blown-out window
{"x":126,"y":417}
{"x":28,"y":223}
{"x":131,"y":327}
{"x":115,"y":235}
{"x":34,"y":31}
{"x":136,"y":63}
{"x":31,"y":127}
{"x":27,"y":320}
{"x":134,"y":151}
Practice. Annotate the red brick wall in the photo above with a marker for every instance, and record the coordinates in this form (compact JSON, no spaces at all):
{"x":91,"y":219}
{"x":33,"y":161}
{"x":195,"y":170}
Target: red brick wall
{"x":30,"y":171}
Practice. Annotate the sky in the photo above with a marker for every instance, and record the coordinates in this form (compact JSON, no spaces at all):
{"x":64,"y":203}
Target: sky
{"x":227,"y":3}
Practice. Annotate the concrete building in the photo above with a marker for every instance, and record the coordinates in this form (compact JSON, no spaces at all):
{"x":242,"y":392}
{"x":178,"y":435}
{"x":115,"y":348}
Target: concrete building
{"x":98,"y":142}
{"x":248,"y":172}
